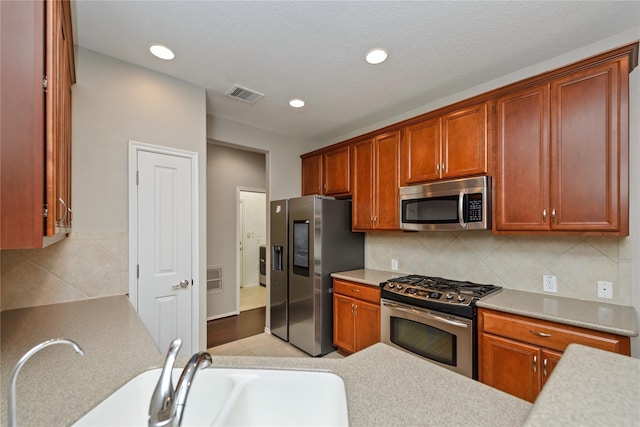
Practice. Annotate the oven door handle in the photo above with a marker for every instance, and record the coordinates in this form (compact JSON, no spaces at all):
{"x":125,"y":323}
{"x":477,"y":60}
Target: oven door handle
{"x":423,"y":313}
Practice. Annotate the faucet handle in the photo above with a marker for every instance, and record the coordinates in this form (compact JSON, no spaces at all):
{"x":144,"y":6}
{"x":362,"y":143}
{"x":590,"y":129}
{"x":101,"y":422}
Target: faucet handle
{"x":162,"y":406}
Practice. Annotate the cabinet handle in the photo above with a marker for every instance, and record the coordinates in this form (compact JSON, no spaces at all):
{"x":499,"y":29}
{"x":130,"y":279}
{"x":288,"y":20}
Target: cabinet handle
{"x":438,"y":167}
{"x":544,"y":367}
{"x":63,"y":220}
{"x":553,"y":215}
{"x":540,"y":334}
{"x":355,"y":290}
{"x":544,"y":215}
{"x":535,"y":363}
{"x":352,"y":309}
{"x":356,"y":309}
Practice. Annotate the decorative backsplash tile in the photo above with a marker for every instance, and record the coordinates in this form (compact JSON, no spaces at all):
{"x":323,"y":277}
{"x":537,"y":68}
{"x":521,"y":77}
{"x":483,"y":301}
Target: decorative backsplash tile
{"x":515,"y":262}
{"x":90,"y":265}
{"x":82,"y":266}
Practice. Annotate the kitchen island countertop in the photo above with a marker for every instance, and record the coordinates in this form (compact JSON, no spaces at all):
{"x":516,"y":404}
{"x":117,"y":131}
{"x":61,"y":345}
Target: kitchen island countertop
{"x":384,"y":386}
{"x":56,"y":387}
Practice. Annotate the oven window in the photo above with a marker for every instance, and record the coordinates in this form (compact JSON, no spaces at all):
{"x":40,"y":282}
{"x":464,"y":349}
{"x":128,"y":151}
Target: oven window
{"x":432,"y":210}
{"x":424,"y":340}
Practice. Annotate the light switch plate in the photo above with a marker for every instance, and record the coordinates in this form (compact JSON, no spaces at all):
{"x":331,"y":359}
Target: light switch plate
{"x":394,"y":264}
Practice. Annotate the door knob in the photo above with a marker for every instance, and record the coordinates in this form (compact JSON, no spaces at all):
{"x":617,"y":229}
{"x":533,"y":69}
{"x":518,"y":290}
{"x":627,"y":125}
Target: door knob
{"x":182,"y":284}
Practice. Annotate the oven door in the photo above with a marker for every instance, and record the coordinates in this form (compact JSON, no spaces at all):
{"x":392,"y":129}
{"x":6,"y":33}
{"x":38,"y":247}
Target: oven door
{"x":437,"y":337}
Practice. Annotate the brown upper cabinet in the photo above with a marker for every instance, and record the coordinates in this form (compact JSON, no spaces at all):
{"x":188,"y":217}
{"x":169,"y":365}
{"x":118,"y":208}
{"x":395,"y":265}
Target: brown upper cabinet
{"x":562,"y":154}
{"x":327,"y":173}
{"x":449,"y":146}
{"x":557,"y":145}
{"x":375,"y":188}
{"x":37,"y":74}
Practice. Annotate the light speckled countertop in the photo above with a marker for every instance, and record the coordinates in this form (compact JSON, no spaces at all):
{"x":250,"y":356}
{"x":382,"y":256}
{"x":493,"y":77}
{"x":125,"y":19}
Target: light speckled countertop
{"x":590,"y":387}
{"x":384,"y":386}
{"x":616,"y":319}
{"x":367,"y":276}
{"x":56,"y":387}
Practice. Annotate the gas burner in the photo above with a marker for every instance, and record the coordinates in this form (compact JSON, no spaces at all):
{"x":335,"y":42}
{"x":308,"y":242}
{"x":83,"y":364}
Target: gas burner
{"x":452,"y":296}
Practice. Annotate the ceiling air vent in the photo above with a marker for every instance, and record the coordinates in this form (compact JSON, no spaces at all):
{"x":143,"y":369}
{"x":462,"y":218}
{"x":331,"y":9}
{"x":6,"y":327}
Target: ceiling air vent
{"x":244,"y":94}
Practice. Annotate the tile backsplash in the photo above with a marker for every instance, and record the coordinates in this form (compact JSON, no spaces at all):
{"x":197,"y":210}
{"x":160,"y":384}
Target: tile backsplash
{"x":90,"y":265}
{"x":82,"y":266}
{"x":515,"y":262}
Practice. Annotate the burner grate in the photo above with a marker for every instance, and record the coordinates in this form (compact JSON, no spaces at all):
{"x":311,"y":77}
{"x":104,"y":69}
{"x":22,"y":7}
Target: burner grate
{"x":475,"y":290}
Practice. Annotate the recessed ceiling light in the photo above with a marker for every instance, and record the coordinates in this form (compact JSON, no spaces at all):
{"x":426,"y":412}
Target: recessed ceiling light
{"x":376,"y":56}
{"x":162,"y":52}
{"x":296,"y":103}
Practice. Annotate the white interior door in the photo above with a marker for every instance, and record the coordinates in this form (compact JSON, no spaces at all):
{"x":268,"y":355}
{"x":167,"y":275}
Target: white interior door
{"x":164,"y":231}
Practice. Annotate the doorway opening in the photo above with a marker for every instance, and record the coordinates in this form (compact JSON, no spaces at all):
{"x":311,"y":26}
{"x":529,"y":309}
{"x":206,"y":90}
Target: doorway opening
{"x":252,"y":240}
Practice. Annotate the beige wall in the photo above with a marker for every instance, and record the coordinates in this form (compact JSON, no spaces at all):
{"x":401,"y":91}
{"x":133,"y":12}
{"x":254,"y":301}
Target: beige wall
{"x":113,"y":102}
{"x":283,"y":153}
{"x":227,"y":169}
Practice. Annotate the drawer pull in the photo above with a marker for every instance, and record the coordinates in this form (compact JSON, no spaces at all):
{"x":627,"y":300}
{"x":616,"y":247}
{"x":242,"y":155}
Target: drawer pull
{"x":355,"y":290}
{"x":540,"y":334}
{"x":535,"y":363}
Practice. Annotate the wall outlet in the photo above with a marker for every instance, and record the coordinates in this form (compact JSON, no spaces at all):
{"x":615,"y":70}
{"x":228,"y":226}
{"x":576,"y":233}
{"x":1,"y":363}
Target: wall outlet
{"x":549,"y":284}
{"x":605,"y":289}
{"x":394,"y":264}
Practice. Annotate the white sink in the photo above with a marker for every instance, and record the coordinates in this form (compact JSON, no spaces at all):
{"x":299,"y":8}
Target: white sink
{"x":234,"y":397}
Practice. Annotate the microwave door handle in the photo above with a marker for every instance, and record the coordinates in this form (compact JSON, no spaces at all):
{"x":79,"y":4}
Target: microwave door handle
{"x":461,"y":210}
{"x":422,"y":313}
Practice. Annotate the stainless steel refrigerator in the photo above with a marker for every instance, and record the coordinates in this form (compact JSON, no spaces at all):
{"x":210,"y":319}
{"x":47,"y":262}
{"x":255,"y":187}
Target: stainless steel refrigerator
{"x":316,"y":242}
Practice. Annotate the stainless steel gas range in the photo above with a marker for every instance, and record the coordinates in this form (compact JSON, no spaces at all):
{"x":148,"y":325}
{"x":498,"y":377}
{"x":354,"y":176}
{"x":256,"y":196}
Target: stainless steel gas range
{"x":433,"y":318}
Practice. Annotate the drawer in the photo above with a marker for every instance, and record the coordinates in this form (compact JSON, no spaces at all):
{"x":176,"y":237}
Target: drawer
{"x":547,"y":334}
{"x":357,"y":290}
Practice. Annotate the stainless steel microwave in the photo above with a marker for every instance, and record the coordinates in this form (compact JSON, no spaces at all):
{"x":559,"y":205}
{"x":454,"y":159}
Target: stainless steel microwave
{"x":457,"y":204}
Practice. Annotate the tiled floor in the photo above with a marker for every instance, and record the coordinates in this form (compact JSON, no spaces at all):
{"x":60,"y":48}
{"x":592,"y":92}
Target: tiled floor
{"x":252,"y":297}
{"x":263,"y":344}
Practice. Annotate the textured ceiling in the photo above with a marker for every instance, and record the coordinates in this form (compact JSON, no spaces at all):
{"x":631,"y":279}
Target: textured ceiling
{"x":314,"y":50}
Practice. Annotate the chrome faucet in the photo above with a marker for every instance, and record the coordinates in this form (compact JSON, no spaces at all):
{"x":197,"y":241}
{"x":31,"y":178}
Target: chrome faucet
{"x":167,"y":404}
{"x":20,"y":364}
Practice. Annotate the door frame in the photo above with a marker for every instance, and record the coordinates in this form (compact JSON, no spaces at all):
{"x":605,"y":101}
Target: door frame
{"x":134,"y":148}
{"x":239,"y":235}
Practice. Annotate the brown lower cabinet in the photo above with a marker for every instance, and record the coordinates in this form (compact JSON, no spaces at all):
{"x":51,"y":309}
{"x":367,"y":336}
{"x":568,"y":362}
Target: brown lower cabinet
{"x":356,"y":316}
{"x":516,"y":354}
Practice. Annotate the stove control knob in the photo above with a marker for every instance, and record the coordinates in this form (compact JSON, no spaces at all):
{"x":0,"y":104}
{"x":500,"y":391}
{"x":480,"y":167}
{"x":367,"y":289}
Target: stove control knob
{"x":391,"y":286}
{"x":449,"y":296}
{"x":460,"y":298}
{"x":399,"y":286}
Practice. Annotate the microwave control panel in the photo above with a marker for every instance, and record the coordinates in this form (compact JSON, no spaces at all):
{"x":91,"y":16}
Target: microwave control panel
{"x":474,"y":207}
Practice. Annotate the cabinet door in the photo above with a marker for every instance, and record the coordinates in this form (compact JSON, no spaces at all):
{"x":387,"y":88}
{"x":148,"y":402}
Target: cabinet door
{"x":420,"y":152}
{"x":336,"y":172}
{"x":61,"y":76}
{"x":464,"y":150}
{"x":522,"y":153}
{"x":550,"y":359}
{"x":343,"y":323}
{"x":386,"y":186}
{"x":22,"y":62}
{"x":586,"y":113}
{"x":510,"y":366}
{"x":312,"y":175}
{"x":367,"y":324}
{"x":362,"y":161}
